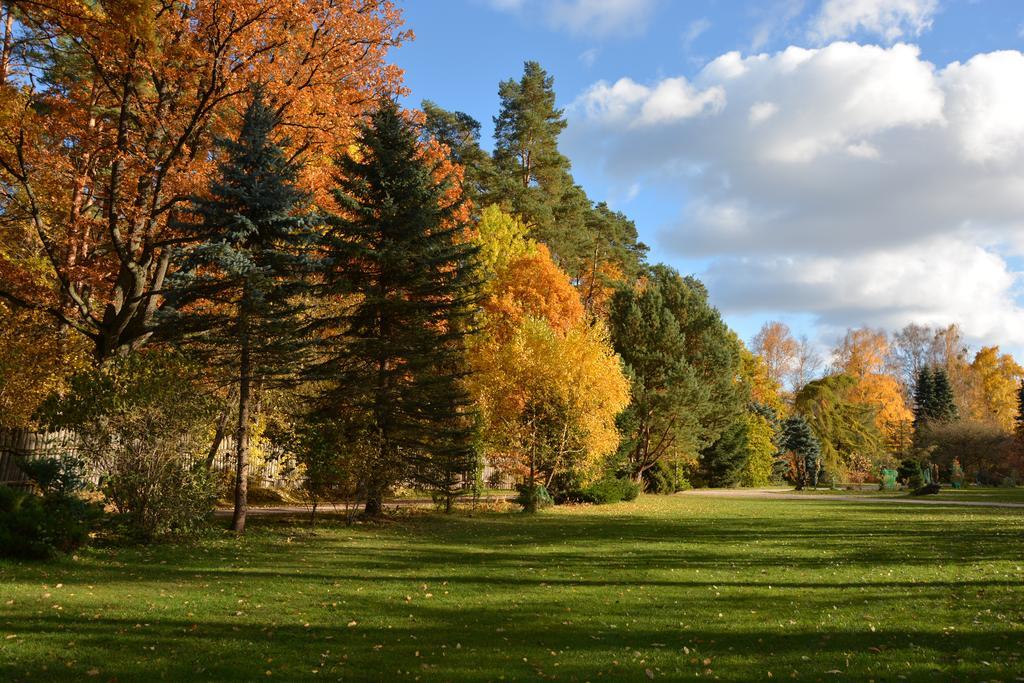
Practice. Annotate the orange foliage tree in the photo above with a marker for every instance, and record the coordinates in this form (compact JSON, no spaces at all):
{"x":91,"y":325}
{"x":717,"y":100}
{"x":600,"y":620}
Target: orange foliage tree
{"x":107,"y":124}
{"x":863,"y":354}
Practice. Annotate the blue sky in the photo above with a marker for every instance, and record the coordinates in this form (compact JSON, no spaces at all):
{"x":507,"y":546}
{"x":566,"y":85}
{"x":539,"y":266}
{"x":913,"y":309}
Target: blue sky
{"x":830,"y":163}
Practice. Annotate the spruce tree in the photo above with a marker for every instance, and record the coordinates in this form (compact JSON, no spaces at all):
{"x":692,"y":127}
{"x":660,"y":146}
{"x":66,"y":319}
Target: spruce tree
{"x":924,"y":397}
{"x":399,"y":254}
{"x":724,"y":460}
{"x":943,"y":407}
{"x":234,"y":295}
{"x":799,"y":439}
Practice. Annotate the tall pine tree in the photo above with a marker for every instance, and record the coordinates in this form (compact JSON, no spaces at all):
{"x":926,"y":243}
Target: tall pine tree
{"x":400,"y":255}
{"x":234,"y":294}
{"x":533,"y":174}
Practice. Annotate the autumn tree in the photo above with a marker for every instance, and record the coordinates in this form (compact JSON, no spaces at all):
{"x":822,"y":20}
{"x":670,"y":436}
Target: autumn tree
{"x":549,"y":400}
{"x":249,"y":249}
{"x":396,"y":361}
{"x":998,"y":376}
{"x":864,"y":354}
{"x":762,"y":434}
{"x":546,"y":378}
{"x":103,"y":145}
{"x":775,"y":344}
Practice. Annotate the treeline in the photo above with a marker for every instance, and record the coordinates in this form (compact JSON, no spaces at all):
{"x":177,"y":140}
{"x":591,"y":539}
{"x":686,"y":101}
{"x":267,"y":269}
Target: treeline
{"x":917,"y":398}
{"x":217,"y":236}
{"x":221,"y":227}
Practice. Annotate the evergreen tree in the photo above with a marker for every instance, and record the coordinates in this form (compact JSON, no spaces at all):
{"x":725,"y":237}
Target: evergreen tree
{"x":798,"y":438}
{"x":724,"y":460}
{"x":682,"y":361}
{"x":399,"y":253}
{"x":843,"y":425}
{"x":924,"y":397}
{"x":460,"y":132}
{"x":943,"y":407}
{"x":533,"y":174}
{"x":234,"y":295}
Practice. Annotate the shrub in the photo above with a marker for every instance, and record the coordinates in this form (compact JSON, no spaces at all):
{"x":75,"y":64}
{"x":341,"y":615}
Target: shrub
{"x":665,"y":478}
{"x":36,"y":525}
{"x":160,"y":497}
{"x":141,"y":422}
{"x":927,"y":490}
{"x":603,"y":492}
{"x":533,"y":498}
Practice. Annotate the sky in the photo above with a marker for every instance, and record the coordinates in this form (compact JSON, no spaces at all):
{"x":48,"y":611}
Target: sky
{"x":827,"y":163}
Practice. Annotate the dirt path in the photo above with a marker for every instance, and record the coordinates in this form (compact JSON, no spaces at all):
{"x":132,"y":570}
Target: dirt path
{"x":339,"y":508}
{"x":785,"y":494}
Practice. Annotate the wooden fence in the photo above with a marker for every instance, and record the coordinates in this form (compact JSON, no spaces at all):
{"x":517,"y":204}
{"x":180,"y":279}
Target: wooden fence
{"x":277,"y":470}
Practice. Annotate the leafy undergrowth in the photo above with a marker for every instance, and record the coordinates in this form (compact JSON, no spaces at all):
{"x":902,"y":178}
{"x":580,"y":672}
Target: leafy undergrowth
{"x":665,"y":587}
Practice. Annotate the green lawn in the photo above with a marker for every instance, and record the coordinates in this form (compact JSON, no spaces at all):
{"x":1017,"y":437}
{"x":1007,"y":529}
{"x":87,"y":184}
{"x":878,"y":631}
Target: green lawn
{"x":671,"y":588}
{"x":972,"y":493}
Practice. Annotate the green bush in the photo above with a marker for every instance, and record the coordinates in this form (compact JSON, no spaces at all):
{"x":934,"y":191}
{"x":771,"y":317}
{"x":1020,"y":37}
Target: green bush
{"x":664,"y":478}
{"x":141,"y":422}
{"x":603,"y":492}
{"x":38,"y":525}
{"x":162,"y":499}
{"x":533,"y":498}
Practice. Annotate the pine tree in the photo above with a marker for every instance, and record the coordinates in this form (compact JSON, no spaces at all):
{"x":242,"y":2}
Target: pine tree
{"x":799,"y":439}
{"x":460,"y":133}
{"x":533,"y":174}
{"x":234,"y":295}
{"x":399,"y":252}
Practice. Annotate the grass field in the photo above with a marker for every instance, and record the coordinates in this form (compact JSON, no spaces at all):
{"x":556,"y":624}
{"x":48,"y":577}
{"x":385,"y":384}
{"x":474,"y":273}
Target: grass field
{"x":972,"y":493}
{"x":665,"y":587}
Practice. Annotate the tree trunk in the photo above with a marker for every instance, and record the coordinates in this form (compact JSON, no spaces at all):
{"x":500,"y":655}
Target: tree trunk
{"x":222,"y":428}
{"x":242,"y":463}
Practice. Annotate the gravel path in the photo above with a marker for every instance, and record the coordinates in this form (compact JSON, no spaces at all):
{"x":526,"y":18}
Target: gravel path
{"x":786,"y":494}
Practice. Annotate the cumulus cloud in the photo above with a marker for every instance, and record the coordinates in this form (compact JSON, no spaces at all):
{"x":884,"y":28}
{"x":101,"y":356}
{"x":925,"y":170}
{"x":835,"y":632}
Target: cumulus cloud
{"x":888,"y":19}
{"x":627,"y":101}
{"x":585,"y":17}
{"x":897,"y":184}
{"x":935,"y":283}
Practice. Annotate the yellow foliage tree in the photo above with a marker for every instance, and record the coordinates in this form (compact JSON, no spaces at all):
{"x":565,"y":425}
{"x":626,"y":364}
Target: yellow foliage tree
{"x":998,"y":376}
{"x":36,"y":359}
{"x":549,"y":399}
{"x":761,"y":451}
{"x":863,"y":354}
{"x":502,"y":238}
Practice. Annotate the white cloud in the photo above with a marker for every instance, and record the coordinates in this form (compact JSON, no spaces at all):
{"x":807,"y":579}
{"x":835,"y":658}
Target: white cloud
{"x":936,"y":283}
{"x":588,"y":57}
{"x":694,"y":31}
{"x":858,"y":183}
{"x":585,"y":17}
{"x":762,"y":111}
{"x":888,"y":19}
{"x":627,"y":101}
